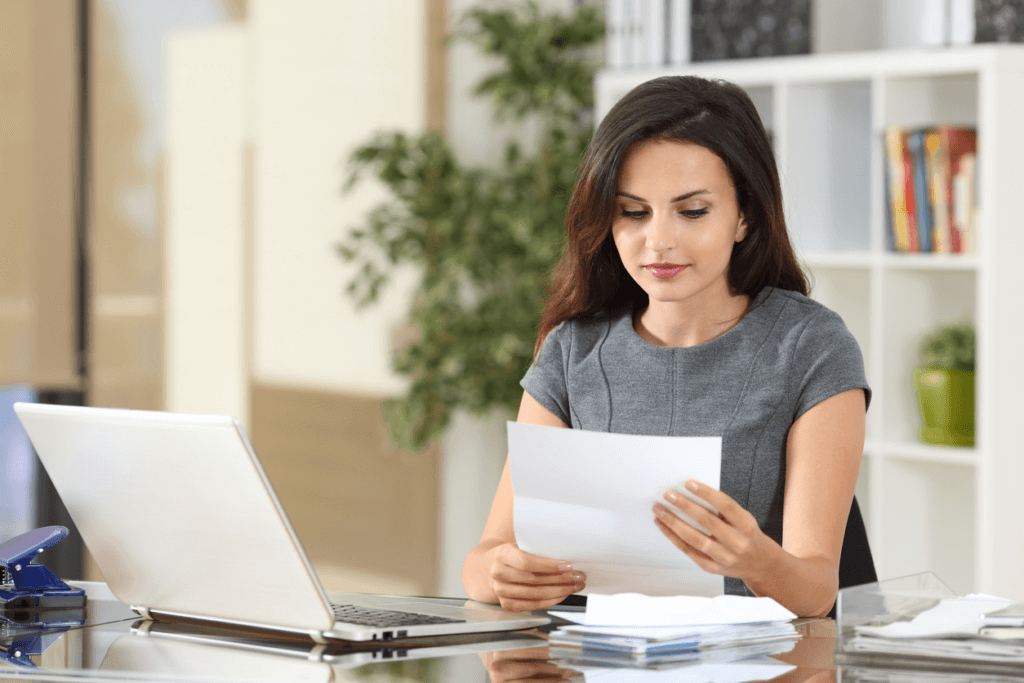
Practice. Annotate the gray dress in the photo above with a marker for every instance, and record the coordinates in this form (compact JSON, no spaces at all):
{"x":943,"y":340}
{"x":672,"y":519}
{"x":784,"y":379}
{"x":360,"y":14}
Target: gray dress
{"x":748,"y":386}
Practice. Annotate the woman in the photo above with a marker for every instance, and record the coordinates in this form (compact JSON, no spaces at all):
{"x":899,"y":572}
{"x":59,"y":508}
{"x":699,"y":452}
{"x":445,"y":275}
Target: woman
{"x":679,"y":308}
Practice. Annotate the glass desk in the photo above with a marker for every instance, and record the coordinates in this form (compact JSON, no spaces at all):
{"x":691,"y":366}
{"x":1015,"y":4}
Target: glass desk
{"x":111,"y":643}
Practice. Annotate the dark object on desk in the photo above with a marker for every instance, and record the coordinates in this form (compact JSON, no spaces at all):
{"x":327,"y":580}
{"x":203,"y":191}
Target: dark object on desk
{"x":29,"y":632}
{"x":749,"y":28}
{"x":33,"y":586}
{"x":999,"y":21}
{"x":856,"y":565}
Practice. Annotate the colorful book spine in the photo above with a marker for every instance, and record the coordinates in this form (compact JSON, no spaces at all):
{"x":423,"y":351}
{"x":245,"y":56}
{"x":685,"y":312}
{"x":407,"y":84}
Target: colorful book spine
{"x":922,"y":203}
{"x":937,"y":167}
{"x":897,"y":189}
{"x":964,"y":204}
{"x":962,"y":144}
{"x":914,"y":244}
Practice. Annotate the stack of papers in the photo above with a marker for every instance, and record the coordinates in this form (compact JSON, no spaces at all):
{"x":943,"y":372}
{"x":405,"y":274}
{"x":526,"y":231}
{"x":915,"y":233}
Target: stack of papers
{"x":642,"y":631}
{"x":956,"y":630}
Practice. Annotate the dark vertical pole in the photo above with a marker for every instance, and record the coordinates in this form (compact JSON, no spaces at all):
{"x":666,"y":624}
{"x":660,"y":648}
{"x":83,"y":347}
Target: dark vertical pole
{"x":82,"y":193}
{"x":65,"y":559}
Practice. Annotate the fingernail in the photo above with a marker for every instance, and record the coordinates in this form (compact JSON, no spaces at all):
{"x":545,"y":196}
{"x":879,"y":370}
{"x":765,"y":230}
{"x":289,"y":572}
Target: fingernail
{"x":671,"y":496}
{"x":659,"y":511}
{"x":578,"y":577}
{"x":579,"y":587}
{"x":692,"y":485}
{"x":564,"y":566}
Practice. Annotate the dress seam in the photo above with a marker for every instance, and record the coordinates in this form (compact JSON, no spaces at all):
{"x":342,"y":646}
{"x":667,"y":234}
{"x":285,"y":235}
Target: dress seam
{"x":672,"y":412}
{"x":604,"y":372}
{"x":739,"y":403}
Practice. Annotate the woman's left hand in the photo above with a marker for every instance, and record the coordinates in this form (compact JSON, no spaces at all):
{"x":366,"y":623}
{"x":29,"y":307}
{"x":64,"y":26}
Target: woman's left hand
{"x":734,"y":544}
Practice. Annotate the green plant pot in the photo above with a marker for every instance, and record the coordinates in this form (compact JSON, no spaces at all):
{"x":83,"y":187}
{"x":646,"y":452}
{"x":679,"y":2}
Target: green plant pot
{"x":946,"y":398}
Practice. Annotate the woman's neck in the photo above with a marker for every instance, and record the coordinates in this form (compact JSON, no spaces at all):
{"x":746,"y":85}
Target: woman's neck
{"x":688,"y":323}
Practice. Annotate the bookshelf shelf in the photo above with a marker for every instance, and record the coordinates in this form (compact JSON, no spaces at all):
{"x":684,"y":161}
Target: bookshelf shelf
{"x":824,"y":259}
{"x":955,"y":511}
{"x":966,"y":262}
{"x":913,"y":450}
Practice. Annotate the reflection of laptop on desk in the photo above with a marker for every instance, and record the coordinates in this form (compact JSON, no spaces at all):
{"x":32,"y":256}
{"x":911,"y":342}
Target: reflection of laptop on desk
{"x":183,"y":523}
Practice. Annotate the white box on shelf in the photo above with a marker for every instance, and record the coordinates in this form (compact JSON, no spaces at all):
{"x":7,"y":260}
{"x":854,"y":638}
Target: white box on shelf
{"x":615,"y":33}
{"x":679,"y":31}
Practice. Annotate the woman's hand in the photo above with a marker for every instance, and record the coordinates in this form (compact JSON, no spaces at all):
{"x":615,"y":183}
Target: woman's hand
{"x":734,"y":544}
{"x":522,"y":581}
{"x":530,"y":664}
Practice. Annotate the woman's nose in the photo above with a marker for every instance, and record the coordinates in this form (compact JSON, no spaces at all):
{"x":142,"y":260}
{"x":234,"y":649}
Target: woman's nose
{"x":660,"y":233}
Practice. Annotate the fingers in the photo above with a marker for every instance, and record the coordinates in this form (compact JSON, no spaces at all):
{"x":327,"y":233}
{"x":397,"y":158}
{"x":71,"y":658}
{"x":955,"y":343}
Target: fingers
{"x":700,"y":558}
{"x":514,"y":604}
{"x":510,"y":554}
{"x":728,"y":508}
{"x":523,"y":581}
{"x":733,"y":544}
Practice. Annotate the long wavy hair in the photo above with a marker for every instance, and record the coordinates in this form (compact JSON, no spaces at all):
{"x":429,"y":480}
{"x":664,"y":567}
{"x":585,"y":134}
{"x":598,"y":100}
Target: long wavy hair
{"x":590,"y":278}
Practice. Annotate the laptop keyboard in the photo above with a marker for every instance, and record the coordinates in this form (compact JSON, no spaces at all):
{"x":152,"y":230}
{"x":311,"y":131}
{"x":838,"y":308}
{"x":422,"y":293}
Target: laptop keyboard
{"x":385,"y":618}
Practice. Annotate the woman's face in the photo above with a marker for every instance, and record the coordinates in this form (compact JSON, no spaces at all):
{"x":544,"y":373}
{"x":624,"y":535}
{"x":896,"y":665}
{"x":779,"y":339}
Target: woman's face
{"x":676,"y":220}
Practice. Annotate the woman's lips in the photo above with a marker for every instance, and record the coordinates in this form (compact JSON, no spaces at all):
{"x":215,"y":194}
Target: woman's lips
{"x":664,"y":271}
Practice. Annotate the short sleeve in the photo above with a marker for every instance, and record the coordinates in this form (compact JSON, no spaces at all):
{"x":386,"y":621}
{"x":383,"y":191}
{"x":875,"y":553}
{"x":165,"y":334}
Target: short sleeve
{"x":828,"y":361}
{"x":546,"y":380}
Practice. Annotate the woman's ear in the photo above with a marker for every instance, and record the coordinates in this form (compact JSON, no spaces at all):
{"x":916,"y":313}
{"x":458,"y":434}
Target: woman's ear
{"x":741,"y":229}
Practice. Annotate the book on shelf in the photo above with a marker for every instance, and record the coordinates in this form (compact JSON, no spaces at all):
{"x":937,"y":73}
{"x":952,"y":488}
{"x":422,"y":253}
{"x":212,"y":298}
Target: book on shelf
{"x":922,"y":205}
{"x":641,"y":33}
{"x":930,"y":189}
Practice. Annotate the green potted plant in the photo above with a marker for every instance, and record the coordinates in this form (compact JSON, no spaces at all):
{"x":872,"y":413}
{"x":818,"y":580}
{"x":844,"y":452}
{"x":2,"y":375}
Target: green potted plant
{"x":484,"y":240}
{"x":945,"y":386}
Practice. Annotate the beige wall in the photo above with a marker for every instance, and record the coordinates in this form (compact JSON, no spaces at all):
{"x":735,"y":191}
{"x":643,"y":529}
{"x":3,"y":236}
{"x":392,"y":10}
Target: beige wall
{"x":326,"y":76}
{"x":206,"y":333}
{"x":38,"y":149}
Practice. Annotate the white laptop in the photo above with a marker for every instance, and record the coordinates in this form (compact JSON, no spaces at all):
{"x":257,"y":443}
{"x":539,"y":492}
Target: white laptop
{"x":184,"y":525}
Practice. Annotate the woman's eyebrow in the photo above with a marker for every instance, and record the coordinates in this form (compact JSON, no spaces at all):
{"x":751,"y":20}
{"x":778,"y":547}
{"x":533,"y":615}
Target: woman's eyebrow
{"x":675,"y":199}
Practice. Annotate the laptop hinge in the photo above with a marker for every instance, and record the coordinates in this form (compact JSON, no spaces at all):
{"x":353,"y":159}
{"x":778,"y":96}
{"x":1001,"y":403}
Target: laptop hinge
{"x":318,"y":637}
{"x":316,"y":653}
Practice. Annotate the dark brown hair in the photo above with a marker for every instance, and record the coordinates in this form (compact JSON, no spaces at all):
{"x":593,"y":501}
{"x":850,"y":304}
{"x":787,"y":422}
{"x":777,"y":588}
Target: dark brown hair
{"x":590,"y":278}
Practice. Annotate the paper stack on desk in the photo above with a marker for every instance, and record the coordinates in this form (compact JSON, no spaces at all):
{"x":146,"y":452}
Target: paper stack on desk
{"x":639,"y":630}
{"x":954,"y":630}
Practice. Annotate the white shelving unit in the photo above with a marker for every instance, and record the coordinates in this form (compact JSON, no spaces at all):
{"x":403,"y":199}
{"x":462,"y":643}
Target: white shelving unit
{"x":956,"y":511}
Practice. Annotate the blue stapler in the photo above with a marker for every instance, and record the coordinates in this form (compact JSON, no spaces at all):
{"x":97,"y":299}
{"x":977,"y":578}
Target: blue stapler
{"x":24,"y":585}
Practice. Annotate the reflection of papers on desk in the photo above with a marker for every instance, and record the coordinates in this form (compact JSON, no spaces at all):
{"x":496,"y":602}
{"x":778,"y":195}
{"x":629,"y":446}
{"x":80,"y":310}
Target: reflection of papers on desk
{"x":586,"y":497}
{"x":697,"y":672}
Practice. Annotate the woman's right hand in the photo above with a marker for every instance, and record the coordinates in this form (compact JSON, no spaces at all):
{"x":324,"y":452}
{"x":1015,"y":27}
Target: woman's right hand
{"x":522,"y":581}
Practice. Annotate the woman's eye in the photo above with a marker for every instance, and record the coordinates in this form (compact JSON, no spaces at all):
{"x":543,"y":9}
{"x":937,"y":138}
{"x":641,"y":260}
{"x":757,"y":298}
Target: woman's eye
{"x":695,"y":213}
{"x":633,"y":214}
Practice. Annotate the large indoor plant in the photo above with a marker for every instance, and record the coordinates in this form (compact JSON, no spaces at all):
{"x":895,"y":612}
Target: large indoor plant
{"x":485,"y":239}
{"x":945,"y":386}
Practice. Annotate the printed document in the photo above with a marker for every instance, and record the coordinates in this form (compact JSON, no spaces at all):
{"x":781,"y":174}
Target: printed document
{"x":586,"y":497}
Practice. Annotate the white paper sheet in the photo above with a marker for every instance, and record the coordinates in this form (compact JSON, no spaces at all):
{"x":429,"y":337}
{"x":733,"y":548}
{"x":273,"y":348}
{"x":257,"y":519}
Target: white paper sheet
{"x":586,"y":497}
{"x":631,"y":609}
